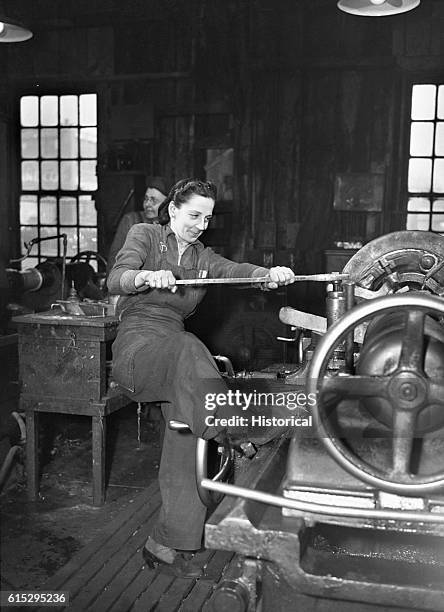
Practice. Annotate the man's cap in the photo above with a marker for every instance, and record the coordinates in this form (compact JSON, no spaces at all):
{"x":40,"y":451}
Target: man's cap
{"x":157,"y":182}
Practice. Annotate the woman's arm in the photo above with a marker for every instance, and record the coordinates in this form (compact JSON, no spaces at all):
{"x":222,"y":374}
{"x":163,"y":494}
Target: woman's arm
{"x":220,"y":267}
{"x":134,"y":254}
{"x":119,"y":240}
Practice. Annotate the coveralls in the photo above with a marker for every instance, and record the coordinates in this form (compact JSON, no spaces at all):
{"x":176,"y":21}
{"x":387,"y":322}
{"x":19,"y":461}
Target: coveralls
{"x":155,"y":359}
{"x":126,"y":222}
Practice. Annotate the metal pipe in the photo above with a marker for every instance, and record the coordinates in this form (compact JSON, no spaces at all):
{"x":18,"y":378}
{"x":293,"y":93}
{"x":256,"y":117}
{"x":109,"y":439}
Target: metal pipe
{"x":349,"y":293}
{"x":324,"y":278}
{"x":7,"y":463}
{"x":65,"y":250}
{"x":227,"y":363}
{"x":22,"y":425}
{"x":202,"y":471}
{"x":314,"y":508}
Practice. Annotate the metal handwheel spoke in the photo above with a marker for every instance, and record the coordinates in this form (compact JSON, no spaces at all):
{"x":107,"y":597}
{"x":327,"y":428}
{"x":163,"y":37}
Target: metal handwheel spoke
{"x":404,"y":423}
{"x":355,"y":386}
{"x":412,"y":351}
{"x":436,"y":392}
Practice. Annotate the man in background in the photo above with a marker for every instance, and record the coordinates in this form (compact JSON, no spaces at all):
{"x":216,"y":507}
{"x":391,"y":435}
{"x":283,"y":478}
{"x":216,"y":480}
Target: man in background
{"x":155,"y":193}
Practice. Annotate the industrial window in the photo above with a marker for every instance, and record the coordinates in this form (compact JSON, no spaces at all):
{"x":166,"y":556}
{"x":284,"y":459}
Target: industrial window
{"x":58,"y":173}
{"x":425,"y":209}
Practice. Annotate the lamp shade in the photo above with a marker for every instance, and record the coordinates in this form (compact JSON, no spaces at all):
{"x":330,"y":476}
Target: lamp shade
{"x":12,"y":30}
{"x":377,"y":8}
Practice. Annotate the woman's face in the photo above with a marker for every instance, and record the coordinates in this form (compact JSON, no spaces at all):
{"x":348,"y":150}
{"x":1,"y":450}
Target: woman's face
{"x":192,"y":218}
{"x":151,"y":202}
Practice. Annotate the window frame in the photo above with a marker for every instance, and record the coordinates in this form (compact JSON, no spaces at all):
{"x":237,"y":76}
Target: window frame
{"x":36,"y":255}
{"x":431,"y":78}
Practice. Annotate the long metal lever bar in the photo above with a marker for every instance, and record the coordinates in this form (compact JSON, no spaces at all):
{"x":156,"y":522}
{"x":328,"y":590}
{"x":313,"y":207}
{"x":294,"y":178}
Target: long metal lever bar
{"x":324,"y":278}
{"x":324,"y":509}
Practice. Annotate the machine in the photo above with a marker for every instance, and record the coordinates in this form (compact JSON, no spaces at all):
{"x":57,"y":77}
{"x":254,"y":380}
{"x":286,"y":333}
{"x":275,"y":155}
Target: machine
{"x":348,"y":514}
{"x":37,"y":289}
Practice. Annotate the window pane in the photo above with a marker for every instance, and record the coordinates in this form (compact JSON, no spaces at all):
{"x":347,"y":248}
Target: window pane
{"x":423,"y":102}
{"x":48,"y":211}
{"x":68,"y":211}
{"x":68,"y":110}
{"x":88,"y":109}
{"x":48,"y":248}
{"x":440,"y":113}
{"x":50,"y":175}
{"x":88,"y":142}
{"x":419,"y":205}
{"x":87,"y":211}
{"x":438,"y":205}
{"x":438,"y":223}
{"x":71,"y":232}
{"x":49,"y":143}
{"x":30,"y":175}
{"x":69,"y":147}
{"x":420,"y":175}
{"x":438,"y":176}
{"x":439,"y":138}
{"x":88,"y":178}
{"x":70,"y":175}
{"x":48,"y":110}
{"x":28,"y":209}
{"x":27,"y":233}
{"x":421,"y":138}
{"x":418,"y":222}
{"x":88,"y":239}
{"x":29,"y":111}
{"x":30,"y":143}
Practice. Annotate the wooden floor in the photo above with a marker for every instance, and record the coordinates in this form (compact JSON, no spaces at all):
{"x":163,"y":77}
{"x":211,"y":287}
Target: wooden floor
{"x":108,"y":574}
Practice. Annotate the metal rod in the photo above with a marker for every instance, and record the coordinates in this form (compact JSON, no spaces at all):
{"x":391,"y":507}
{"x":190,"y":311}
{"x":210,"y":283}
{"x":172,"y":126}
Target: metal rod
{"x":349,"y":291}
{"x":315,"y":508}
{"x":324,"y":278}
{"x":65,"y":250}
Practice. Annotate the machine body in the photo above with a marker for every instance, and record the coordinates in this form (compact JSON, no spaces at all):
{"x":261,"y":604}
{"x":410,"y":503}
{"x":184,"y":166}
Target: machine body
{"x":350,"y":515}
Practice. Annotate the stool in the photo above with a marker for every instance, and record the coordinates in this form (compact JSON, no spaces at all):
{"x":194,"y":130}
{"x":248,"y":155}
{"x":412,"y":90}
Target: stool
{"x":98,"y":411}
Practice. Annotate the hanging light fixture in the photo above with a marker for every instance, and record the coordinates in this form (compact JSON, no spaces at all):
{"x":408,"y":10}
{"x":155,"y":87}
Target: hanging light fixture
{"x":12,"y":30}
{"x":377,"y":8}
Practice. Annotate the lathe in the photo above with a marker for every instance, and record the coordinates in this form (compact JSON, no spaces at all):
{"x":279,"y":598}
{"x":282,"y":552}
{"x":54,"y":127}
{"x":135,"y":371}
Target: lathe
{"x":349,"y":515}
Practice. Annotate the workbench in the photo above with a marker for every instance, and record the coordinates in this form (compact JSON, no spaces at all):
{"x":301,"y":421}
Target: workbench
{"x":63,"y":369}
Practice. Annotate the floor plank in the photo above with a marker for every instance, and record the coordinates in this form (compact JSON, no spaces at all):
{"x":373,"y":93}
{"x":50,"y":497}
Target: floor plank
{"x":109,"y":575}
{"x":195,"y":600}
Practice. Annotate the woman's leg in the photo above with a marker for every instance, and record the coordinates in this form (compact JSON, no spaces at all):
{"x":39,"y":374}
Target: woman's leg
{"x":180,"y":373}
{"x":182,"y":515}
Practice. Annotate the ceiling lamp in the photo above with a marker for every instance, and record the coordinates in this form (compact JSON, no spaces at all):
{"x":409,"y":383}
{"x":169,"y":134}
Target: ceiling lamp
{"x":12,"y":30}
{"x":377,"y":8}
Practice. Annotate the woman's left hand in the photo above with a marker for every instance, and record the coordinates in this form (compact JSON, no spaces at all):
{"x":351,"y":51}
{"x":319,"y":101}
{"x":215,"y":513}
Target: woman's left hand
{"x":279,"y":275}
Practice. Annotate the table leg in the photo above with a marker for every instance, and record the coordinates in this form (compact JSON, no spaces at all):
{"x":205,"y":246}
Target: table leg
{"x":98,"y":459}
{"x":32,"y":454}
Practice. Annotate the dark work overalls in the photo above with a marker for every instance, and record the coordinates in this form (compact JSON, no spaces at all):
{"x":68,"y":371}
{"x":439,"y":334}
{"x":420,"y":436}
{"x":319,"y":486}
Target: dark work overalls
{"x":155,"y":359}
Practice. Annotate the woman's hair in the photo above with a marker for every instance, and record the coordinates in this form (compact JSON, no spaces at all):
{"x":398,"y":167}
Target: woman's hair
{"x":181,"y":192}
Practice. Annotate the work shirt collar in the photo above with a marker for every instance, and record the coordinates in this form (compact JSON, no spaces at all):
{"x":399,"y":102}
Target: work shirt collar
{"x":169,"y":235}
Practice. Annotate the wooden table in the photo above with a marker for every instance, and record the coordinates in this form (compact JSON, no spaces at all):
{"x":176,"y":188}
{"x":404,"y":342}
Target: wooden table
{"x":62,"y":366}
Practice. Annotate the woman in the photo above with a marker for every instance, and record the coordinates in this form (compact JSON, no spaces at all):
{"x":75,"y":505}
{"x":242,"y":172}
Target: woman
{"x":155,"y":359}
{"x":155,"y":194}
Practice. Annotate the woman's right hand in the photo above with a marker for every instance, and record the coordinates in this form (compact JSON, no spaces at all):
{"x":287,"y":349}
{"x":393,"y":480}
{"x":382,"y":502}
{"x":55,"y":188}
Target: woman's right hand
{"x":160,"y":279}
